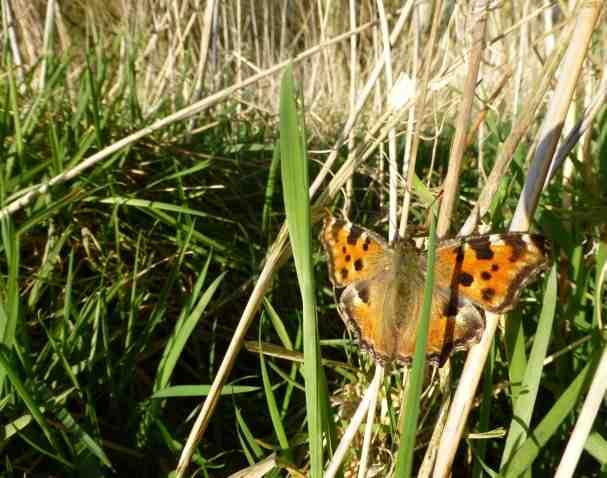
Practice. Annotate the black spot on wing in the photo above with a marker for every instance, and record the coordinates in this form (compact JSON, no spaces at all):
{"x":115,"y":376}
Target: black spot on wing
{"x":344,"y":273}
{"x":358,"y":264}
{"x":486,"y":275}
{"x":495,"y":267}
{"x":481,"y":247}
{"x":465,"y":279}
{"x":348,"y":257}
{"x":488,"y":294}
{"x":366,"y":244}
{"x":355,"y":233}
{"x":518,"y":246}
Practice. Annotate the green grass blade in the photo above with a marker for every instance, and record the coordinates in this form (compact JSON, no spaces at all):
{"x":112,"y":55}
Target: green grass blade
{"x":183,"y":329}
{"x":295,"y":182}
{"x":515,"y":339}
{"x":248,"y":435}
{"x":10,"y":303}
{"x":525,"y":454}
{"x":404,"y":463}
{"x":279,"y":428}
{"x":480,"y":449}
{"x":525,"y":404}
{"x":278,"y":325}
{"x":596,"y":445}
{"x":7,"y":366}
{"x":201,"y":391}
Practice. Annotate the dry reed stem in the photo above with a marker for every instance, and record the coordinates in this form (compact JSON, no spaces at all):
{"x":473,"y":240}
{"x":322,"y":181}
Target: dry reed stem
{"x":354,"y":424}
{"x":589,"y":115}
{"x":392,"y":167}
{"x":259,"y":469}
{"x":549,"y":134}
{"x":410,"y":132}
{"x":427,"y":465}
{"x":49,"y":21}
{"x":419,"y":111}
{"x":205,"y":39}
{"x":374,"y":388}
{"x":352,"y":98}
{"x":583,"y":425}
{"x":8,"y":25}
{"x":520,"y":127}
{"x":275,"y":255}
{"x":479,"y":10}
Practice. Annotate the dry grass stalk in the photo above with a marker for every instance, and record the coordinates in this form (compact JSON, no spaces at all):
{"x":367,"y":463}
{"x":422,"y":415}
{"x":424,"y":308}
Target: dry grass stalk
{"x":419,"y":111}
{"x":355,"y":422}
{"x":374,"y":388}
{"x":583,"y":426}
{"x":278,"y":248}
{"x":520,"y":128}
{"x":479,"y":10}
{"x":8,"y":25}
{"x":549,"y":135}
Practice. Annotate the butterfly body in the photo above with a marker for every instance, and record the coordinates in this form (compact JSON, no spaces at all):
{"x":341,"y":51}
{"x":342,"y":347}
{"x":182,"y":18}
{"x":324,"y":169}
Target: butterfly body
{"x":383,"y":286}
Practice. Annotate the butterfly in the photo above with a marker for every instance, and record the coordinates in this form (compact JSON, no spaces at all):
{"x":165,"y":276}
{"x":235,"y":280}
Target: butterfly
{"x":384,"y":286}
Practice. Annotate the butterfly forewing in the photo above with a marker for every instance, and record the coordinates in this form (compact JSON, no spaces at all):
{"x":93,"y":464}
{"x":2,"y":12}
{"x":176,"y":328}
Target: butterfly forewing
{"x":490,"y":270}
{"x":354,"y":253}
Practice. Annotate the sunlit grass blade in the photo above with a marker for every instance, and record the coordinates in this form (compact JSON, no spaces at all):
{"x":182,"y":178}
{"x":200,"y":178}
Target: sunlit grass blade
{"x":182,"y":331}
{"x":279,"y":428}
{"x":596,"y":445}
{"x":201,"y":390}
{"x":278,"y":325}
{"x":525,"y":403}
{"x":411,"y":406}
{"x":526,"y":453}
{"x":295,"y":182}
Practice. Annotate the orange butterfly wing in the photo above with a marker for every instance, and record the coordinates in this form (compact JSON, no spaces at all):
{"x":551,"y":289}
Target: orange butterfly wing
{"x":384,"y":292}
{"x":354,"y":253}
{"x":490,"y":270}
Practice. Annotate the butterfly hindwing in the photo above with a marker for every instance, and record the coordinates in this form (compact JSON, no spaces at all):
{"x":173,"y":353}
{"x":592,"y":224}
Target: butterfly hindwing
{"x":361,"y":304}
{"x":490,"y":270}
{"x":449,"y":328}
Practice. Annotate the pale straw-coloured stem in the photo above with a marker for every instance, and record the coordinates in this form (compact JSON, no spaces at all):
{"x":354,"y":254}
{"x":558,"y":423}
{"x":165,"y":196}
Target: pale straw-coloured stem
{"x":8,"y":25}
{"x":549,"y":134}
{"x":583,"y":426}
{"x":374,"y":393}
{"x":451,"y":184}
{"x":392,"y":166}
{"x":420,"y":107}
{"x":355,"y":422}
{"x":595,"y":106}
{"x":520,"y":127}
